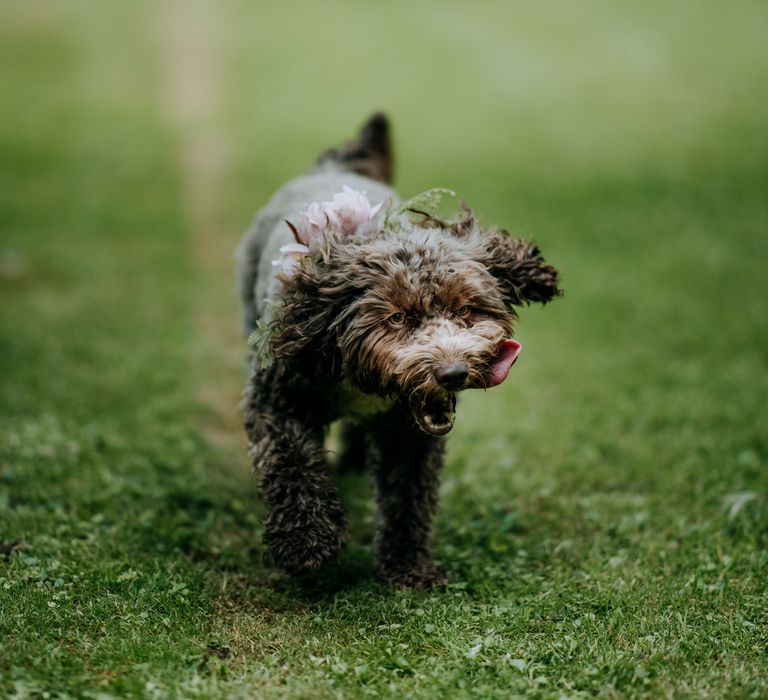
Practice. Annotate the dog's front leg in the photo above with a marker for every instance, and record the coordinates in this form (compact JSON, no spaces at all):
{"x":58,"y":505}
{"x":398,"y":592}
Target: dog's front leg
{"x":304,"y":527}
{"x":406,"y":464}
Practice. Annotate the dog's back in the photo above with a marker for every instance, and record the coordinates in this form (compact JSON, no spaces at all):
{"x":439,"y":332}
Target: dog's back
{"x":365,"y":164}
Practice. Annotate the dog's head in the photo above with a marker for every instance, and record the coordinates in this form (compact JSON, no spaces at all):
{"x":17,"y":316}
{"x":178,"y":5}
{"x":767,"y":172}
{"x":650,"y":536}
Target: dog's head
{"x":420,"y":314}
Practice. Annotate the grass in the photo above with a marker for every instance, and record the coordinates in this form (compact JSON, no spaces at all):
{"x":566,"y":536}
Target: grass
{"x":604,"y":516}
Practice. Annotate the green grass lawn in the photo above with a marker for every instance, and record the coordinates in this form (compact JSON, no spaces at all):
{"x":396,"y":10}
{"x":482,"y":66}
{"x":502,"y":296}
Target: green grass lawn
{"x":604,"y":515}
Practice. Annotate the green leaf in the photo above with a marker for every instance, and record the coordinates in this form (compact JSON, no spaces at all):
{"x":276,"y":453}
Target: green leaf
{"x":259,"y":340}
{"x":428,"y":202}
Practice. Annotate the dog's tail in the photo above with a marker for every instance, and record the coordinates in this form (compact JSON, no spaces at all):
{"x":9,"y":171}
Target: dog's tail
{"x":370,"y":154}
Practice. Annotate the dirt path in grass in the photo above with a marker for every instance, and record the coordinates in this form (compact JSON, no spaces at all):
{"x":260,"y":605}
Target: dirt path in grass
{"x":193,"y":92}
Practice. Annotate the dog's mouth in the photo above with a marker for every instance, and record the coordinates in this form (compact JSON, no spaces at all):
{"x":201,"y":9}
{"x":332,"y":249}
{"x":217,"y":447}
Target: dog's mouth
{"x":435,"y":414}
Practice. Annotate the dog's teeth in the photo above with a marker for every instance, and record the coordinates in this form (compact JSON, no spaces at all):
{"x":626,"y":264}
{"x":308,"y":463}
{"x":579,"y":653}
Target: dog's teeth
{"x":431,"y":423}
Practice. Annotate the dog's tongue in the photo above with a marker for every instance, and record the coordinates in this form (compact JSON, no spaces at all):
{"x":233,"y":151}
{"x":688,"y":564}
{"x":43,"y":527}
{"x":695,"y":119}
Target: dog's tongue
{"x":500,"y":367}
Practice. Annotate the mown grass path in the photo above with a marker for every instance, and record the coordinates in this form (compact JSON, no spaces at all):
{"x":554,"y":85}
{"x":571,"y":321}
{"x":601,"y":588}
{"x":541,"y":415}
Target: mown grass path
{"x":193,"y":94}
{"x":604,"y":516}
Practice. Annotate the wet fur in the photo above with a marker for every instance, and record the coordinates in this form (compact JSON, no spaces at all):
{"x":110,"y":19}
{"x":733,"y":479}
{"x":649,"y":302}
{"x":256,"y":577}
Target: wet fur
{"x":380,"y":315}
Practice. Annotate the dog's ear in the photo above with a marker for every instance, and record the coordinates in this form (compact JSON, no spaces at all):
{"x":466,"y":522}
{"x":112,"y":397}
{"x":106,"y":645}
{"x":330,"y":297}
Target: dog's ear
{"x":370,"y":154}
{"x":520,"y":269}
{"x":314,"y":311}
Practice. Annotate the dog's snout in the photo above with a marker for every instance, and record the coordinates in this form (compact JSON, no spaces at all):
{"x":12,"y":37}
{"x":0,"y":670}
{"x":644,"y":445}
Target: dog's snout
{"x":451,"y":376}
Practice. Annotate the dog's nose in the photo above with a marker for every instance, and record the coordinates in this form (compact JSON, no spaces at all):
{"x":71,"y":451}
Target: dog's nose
{"x":451,"y":376}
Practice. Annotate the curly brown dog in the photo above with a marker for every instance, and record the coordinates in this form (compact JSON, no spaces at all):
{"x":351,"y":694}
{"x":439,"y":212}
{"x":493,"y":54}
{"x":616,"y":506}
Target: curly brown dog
{"x":377,"y":323}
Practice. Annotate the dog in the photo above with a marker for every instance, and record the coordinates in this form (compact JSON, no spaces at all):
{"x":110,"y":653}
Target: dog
{"x":377,"y":324}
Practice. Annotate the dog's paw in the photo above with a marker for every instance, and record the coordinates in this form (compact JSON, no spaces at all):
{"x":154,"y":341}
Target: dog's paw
{"x":303,"y":550}
{"x":423,"y":575}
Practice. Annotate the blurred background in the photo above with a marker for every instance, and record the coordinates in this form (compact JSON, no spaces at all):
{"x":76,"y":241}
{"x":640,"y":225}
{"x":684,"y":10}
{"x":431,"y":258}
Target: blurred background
{"x":629,"y":139}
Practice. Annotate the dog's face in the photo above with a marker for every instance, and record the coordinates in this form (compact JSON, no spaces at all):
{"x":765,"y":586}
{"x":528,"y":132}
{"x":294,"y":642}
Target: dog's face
{"x":420,"y":314}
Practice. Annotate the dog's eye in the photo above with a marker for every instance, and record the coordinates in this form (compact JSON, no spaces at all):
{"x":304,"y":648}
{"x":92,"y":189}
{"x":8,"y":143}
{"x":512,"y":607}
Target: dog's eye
{"x":464,"y":311}
{"x":397,"y":319}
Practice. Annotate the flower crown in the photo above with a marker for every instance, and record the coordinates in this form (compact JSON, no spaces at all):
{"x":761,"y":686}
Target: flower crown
{"x":348,"y":214}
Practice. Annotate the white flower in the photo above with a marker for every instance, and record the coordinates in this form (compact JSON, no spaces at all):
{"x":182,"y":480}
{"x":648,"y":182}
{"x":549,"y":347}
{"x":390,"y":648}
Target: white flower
{"x":290,"y":257}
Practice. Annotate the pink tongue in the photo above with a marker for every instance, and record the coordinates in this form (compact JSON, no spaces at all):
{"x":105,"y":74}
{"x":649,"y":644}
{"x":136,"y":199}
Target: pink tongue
{"x":499,"y":370}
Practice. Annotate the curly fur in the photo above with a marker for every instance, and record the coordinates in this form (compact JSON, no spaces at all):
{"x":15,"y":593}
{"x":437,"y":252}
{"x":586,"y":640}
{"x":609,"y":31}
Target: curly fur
{"x":405,"y":319}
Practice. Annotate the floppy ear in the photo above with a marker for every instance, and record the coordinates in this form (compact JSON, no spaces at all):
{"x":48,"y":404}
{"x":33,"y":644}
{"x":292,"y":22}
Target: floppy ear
{"x":316,"y":306}
{"x":520,"y":269}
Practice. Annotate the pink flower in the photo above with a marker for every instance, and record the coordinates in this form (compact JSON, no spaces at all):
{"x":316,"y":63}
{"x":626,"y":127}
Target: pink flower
{"x":290,"y":257}
{"x":350,"y":213}
{"x":313,"y":223}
